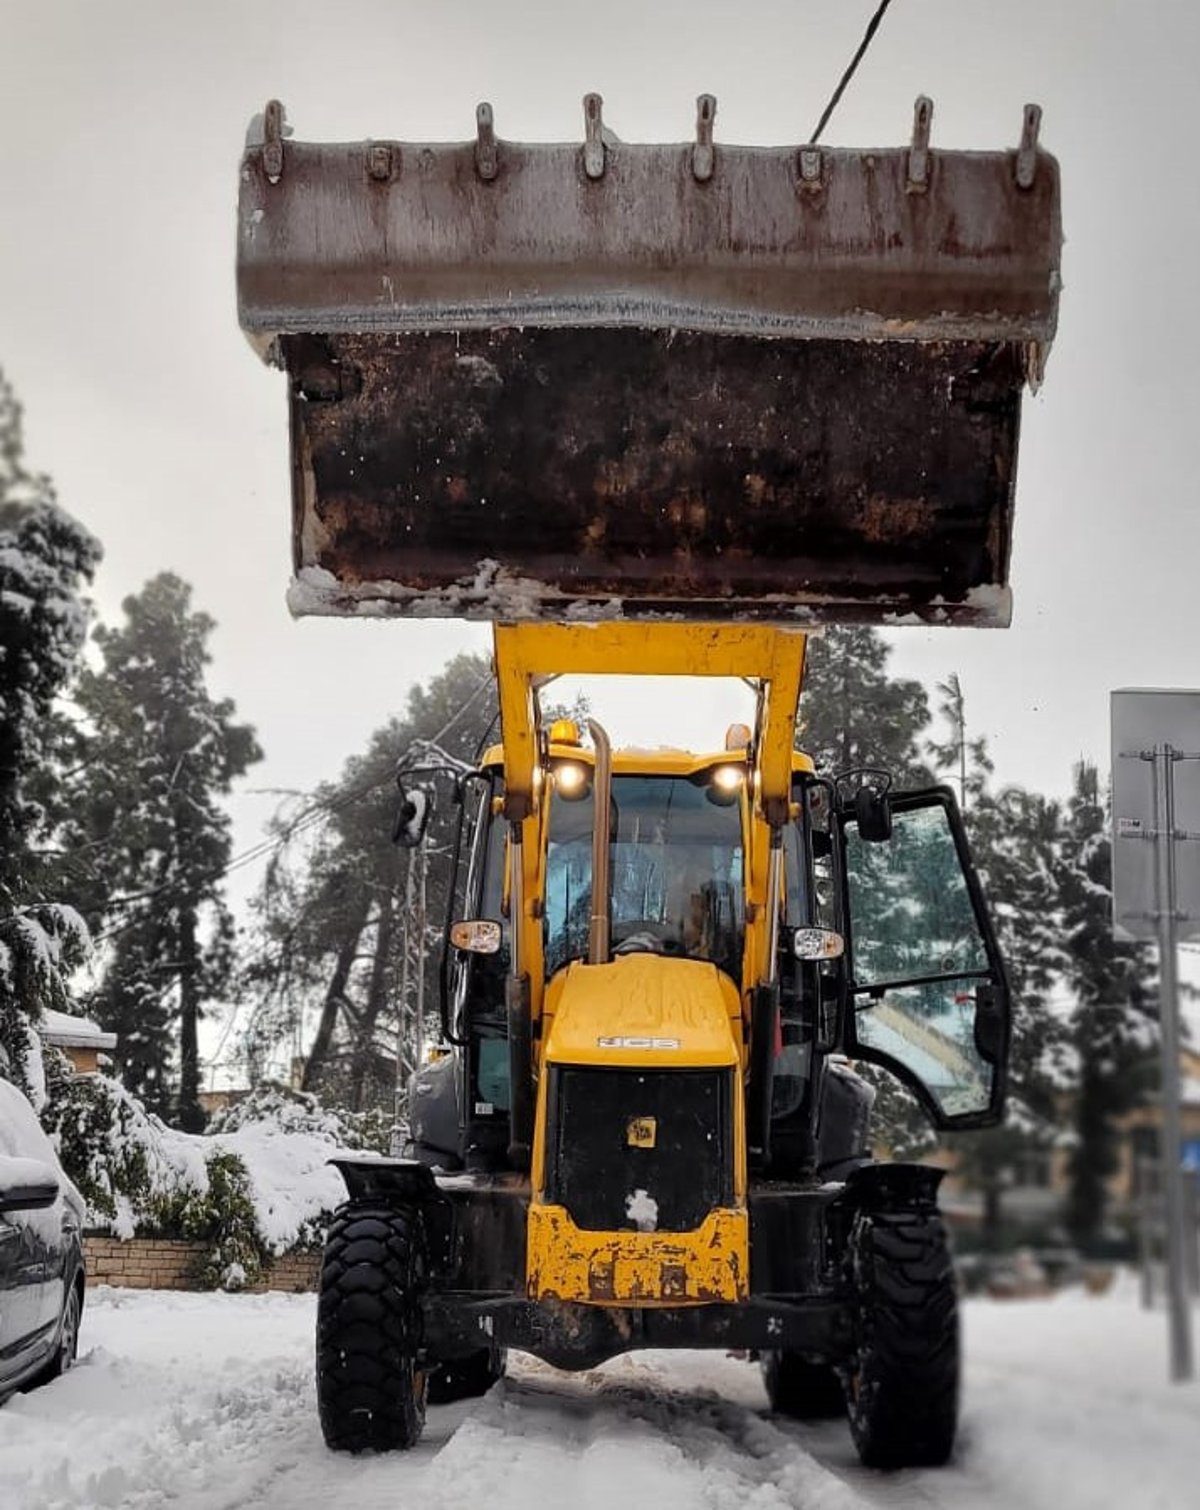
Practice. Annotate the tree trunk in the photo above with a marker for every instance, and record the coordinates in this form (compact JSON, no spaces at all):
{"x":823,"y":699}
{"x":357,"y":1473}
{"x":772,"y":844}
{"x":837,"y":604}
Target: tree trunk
{"x":190,"y":1114}
{"x":376,"y":995}
{"x":318,"y":1056}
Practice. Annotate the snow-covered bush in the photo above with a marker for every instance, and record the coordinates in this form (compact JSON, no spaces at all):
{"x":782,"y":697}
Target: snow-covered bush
{"x":291,"y":1111}
{"x":136,"y":1174}
{"x":226,"y":1219}
{"x":257,"y":1186}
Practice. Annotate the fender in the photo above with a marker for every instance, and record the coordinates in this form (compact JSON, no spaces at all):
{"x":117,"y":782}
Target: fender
{"x":890,"y":1187}
{"x":402,"y":1182}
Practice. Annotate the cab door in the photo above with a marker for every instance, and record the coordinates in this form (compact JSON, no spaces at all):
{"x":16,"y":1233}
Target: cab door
{"x":926,"y":992}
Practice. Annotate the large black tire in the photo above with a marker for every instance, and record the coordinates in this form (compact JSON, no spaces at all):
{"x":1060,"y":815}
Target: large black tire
{"x":370,"y":1383}
{"x":466,"y":1378}
{"x":902,"y":1386}
{"x":805,"y":1391}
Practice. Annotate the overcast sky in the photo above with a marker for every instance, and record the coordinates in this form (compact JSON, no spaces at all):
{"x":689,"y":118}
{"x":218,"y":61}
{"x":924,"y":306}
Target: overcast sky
{"x":121,"y":127}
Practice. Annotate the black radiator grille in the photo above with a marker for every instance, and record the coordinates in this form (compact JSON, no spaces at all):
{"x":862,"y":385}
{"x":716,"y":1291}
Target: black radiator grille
{"x":614,"y":1132}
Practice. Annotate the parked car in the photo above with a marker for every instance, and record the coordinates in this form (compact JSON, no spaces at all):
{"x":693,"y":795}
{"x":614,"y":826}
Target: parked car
{"x":41,"y":1251}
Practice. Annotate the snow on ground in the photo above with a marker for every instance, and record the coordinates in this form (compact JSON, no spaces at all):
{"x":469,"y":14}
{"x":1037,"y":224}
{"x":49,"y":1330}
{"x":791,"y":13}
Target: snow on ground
{"x":205,"y":1402}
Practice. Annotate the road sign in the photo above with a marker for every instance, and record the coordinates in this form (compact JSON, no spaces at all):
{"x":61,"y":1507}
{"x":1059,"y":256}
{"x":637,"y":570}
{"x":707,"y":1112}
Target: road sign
{"x":1143,"y":720}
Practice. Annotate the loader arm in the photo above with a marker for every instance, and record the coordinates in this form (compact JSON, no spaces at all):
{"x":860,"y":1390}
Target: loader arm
{"x":526,"y":655}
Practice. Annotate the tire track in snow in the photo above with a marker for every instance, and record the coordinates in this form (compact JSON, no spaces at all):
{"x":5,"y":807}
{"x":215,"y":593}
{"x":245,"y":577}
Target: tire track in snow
{"x":623,"y":1434}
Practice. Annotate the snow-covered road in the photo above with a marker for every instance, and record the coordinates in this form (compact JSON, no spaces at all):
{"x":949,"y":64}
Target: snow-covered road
{"x":205,"y":1402}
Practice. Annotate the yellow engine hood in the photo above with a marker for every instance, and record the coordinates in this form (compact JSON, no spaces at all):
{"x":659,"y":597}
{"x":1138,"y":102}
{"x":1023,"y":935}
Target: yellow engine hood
{"x":643,"y":1009}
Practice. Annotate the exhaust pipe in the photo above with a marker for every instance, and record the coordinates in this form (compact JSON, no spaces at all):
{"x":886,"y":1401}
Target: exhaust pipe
{"x":601,"y":919}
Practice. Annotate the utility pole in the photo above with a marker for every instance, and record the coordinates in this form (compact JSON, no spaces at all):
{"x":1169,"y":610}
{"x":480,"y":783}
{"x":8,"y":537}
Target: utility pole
{"x":1156,"y":897}
{"x":1165,"y":756}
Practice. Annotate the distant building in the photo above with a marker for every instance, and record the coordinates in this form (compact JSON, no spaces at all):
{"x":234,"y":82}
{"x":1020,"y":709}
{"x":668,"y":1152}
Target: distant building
{"x":219,"y":1101}
{"x":1037,"y":1183}
{"x":84,"y":1042}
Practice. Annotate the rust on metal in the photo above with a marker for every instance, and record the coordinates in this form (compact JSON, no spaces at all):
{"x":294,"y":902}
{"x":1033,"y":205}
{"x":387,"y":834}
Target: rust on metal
{"x":543,"y":473}
{"x":535,"y":380}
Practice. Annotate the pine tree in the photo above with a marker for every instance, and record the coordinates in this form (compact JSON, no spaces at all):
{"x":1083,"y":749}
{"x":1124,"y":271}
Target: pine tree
{"x":157,"y":753}
{"x":45,"y":559}
{"x":853,"y":713}
{"x":1112,"y":1028}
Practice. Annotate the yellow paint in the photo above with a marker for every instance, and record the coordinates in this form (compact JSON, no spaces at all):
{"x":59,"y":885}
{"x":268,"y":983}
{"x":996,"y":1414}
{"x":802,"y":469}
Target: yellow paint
{"x":677,"y":1014}
{"x":709,"y":1265}
{"x":525,"y":653}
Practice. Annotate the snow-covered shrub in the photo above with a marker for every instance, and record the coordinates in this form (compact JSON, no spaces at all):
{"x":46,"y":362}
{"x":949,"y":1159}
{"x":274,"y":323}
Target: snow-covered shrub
{"x":292,"y":1111}
{"x":259,"y":1186}
{"x":141,"y":1178}
{"x":135,"y":1173}
{"x":226,"y":1220}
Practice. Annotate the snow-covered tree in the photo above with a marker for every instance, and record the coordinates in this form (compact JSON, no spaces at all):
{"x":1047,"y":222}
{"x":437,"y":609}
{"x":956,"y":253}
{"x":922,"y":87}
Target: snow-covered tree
{"x":853,"y":713}
{"x":46,"y":557}
{"x":1112,"y":1023}
{"x":329,"y":963}
{"x":157,"y":754}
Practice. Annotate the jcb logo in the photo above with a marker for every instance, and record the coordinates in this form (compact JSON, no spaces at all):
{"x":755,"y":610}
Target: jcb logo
{"x":637,"y":1043}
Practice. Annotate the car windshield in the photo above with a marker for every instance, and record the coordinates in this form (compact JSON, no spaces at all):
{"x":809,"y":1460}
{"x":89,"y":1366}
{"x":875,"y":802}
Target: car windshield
{"x":677,"y":872}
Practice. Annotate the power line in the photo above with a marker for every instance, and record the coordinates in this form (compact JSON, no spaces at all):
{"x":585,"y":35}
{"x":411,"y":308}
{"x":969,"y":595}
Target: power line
{"x":868,"y":37}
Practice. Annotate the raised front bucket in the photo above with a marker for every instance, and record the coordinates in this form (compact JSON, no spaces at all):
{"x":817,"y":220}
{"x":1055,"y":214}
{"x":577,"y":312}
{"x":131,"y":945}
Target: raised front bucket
{"x":712,"y":382}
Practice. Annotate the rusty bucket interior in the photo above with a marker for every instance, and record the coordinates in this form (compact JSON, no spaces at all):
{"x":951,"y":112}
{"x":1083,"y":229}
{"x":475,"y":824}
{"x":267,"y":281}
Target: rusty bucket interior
{"x":606,"y":379}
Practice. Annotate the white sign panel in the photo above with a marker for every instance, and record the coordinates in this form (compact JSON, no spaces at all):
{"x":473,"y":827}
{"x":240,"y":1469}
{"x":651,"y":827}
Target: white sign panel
{"x":1144,"y":720}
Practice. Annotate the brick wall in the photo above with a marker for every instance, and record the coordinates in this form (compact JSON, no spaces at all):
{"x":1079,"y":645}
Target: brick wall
{"x":145,"y":1263}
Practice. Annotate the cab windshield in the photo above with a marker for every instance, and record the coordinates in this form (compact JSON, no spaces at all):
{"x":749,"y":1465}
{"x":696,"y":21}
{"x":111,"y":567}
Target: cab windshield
{"x":677,"y":872}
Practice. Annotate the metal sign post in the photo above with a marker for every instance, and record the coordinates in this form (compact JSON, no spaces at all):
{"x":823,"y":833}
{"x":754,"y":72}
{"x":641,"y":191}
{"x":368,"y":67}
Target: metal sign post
{"x":1160,"y":731}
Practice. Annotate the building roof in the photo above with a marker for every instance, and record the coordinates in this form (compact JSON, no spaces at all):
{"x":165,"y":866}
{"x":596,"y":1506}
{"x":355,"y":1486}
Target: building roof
{"x":67,"y":1031}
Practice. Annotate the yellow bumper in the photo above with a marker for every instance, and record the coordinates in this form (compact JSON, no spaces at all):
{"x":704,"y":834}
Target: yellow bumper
{"x":638,"y":1268}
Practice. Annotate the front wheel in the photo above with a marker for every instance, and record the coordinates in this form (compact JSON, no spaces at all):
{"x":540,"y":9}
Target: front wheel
{"x":370,"y":1384}
{"x":902,"y":1386}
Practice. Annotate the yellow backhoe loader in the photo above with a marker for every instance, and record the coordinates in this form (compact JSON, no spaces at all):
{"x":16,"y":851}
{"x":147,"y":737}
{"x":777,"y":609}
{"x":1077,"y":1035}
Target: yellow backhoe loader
{"x":658,"y":410}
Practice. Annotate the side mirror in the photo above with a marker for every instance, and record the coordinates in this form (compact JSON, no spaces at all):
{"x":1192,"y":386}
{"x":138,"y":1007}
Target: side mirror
{"x":411,"y":817}
{"x":991,"y":1022}
{"x":873,"y":814}
{"x":27,"y":1185}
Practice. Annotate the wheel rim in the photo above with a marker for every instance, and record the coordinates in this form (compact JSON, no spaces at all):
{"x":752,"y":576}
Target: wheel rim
{"x":68,"y":1342}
